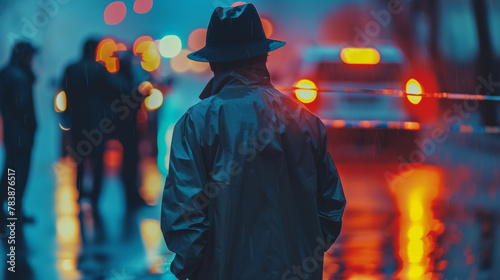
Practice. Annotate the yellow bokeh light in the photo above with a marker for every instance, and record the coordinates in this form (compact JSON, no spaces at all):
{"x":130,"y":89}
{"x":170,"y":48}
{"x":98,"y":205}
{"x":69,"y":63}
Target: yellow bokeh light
{"x":151,"y":233}
{"x":150,"y":55}
{"x":415,"y":250}
{"x":68,"y":228}
{"x":416,"y":271}
{"x":152,"y":184}
{"x":154,"y":100}
{"x":306,"y":92}
{"x":414,"y":87}
{"x":415,"y":199}
{"x":140,"y":40}
{"x":170,"y":46}
{"x":60,"y":102}
{"x":416,"y":209}
{"x":416,"y":232}
{"x":361,"y":56}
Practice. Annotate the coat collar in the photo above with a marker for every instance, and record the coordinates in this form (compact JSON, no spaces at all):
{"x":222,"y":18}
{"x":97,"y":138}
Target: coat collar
{"x":256,"y":74}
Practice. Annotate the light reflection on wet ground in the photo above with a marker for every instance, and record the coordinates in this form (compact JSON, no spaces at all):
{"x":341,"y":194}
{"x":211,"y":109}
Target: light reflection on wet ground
{"x":434,"y":221}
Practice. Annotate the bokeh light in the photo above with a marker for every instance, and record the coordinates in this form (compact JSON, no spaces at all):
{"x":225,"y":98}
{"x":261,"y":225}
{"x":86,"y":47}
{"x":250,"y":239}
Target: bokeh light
{"x":360,"y":56}
{"x":63,"y":127}
{"x":414,"y":87}
{"x":421,"y":187}
{"x":145,"y":46}
{"x":306,"y":92}
{"x":239,"y":3}
{"x":68,"y":228}
{"x":145,"y":87}
{"x":143,"y":6}
{"x":115,"y":12}
{"x":151,"y":189}
{"x":170,"y":46}
{"x":60,"y":102}
{"x":113,"y":157}
{"x":268,"y":27}
{"x":139,"y":40}
{"x":197,"y":39}
{"x":154,"y":100}
{"x":121,"y":47}
{"x":180,"y":63}
{"x":105,"y":53}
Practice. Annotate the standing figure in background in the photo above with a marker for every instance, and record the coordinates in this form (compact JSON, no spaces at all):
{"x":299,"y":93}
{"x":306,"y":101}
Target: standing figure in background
{"x":19,"y":120}
{"x":19,"y":126}
{"x":127,"y":134}
{"x":88,"y":86}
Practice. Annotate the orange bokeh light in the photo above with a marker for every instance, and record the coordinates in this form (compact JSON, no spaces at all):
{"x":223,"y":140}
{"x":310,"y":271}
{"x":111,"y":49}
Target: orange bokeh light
{"x":113,"y":157}
{"x":145,"y":87}
{"x":105,"y":51}
{"x":411,"y":126}
{"x":139,"y":40}
{"x":197,"y":39}
{"x":180,"y":63}
{"x":121,"y":47}
{"x":268,"y":27}
{"x":239,"y":3}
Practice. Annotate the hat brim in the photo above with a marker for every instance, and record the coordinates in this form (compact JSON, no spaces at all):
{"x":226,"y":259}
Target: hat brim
{"x":236,"y":52}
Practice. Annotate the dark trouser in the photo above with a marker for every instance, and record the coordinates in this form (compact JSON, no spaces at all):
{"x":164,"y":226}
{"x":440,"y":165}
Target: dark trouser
{"x":19,"y":162}
{"x":18,"y":146}
{"x":127,"y":135}
{"x":94,"y":157}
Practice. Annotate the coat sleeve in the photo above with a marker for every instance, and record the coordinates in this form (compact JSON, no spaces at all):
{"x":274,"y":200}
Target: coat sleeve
{"x":184,"y":220}
{"x":331,"y":199}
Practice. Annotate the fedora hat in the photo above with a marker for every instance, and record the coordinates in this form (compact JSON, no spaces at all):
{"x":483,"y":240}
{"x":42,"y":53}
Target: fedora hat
{"x":233,"y":34}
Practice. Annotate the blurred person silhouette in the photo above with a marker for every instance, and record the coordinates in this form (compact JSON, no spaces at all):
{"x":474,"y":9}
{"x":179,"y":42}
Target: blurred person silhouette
{"x":89,"y":86}
{"x":126,"y":132}
{"x":19,"y":126}
{"x":486,"y":68}
{"x":252,"y":191}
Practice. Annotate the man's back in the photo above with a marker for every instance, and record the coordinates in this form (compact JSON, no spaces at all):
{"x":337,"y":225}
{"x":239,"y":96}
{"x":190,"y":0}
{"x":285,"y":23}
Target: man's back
{"x":87,"y":85}
{"x":271,"y":200}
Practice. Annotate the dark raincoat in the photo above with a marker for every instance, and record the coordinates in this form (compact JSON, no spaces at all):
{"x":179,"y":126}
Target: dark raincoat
{"x":19,"y":123}
{"x":252,"y":192}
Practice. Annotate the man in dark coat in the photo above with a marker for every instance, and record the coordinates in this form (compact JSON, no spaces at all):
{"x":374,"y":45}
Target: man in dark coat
{"x":19,"y":126}
{"x":252,"y":191}
{"x":89,"y":86}
{"x":126,"y":130}
{"x":19,"y":120}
